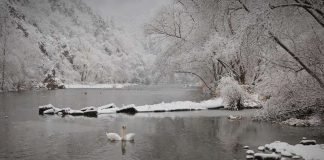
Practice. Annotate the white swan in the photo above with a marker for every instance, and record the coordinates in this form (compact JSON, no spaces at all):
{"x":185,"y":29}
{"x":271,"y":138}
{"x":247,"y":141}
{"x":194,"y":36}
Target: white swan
{"x":123,"y":137}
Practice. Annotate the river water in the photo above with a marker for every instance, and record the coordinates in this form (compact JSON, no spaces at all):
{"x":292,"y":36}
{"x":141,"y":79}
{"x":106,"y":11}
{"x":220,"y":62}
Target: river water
{"x":202,"y":135}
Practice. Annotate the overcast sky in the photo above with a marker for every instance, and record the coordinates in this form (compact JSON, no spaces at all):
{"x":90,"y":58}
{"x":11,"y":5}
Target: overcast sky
{"x":129,"y":14}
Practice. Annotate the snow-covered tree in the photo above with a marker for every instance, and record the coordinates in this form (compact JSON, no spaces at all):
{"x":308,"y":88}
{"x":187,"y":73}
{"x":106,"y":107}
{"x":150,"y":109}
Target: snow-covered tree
{"x":273,"y":46}
{"x":68,"y":37}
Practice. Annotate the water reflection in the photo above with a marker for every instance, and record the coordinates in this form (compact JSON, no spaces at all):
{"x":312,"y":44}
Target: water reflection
{"x":202,"y":135}
{"x":123,"y":147}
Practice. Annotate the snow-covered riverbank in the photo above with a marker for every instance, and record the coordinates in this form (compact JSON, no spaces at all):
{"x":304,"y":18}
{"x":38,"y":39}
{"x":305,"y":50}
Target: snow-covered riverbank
{"x":212,"y":104}
{"x":116,"y":85}
{"x":181,"y":106}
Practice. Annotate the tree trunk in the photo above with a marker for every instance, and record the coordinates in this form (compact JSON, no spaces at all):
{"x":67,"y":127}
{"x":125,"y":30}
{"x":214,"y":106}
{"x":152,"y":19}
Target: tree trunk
{"x":4,"y":34}
{"x":293,"y":55}
{"x":3,"y":68}
{"x":244,"y":6}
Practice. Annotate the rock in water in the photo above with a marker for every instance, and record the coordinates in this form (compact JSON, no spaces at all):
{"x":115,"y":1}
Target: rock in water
{"x":41,"y":109}
{"x":231,"y":117}
{"x":90,"y":111}
{"x":246,"y":147}
{"x":286,"y":153}
{"x":249,"y":152}
{"x":261,"y":148}
{"x":249,"y":157}
{"x":266,"y":156}
{"x":128,"y":109}
{"x":307,"y":142}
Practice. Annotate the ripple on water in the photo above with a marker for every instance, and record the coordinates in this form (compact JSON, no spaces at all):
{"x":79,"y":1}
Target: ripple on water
{"x":202,"y":135}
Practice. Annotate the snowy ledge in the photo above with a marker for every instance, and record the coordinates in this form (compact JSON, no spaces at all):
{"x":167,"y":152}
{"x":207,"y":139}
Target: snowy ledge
{"x":305,"y":150}
{"x":213,"y":104}
{"x":181,"y":106}
{"x":308,"y":152}
{"x":116,"y":85}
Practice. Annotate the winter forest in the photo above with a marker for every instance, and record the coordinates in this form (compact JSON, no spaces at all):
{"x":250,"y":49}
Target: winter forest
{"x":266,"y":54}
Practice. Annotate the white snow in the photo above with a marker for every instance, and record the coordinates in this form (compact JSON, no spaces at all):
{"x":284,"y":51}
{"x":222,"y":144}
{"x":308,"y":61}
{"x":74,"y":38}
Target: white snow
{"x":309,"y":152}
{"x":47,"y":106}
{"x":180,"y":105}
{"x":117,"y":85}
{"x":81,"y":46}
{"x":267,"y":156}
{"x":107,"y":109}
{"x":249,"y":157}
{"x":250,"y":152}
{"x":307,"y":142}
{"x":231,"y":117}
{"x":161,"y":107}
{"x":53,"y":110}
{"x":88,"y":108}
{"x":72,"y":112}
{"x":261,"y":148}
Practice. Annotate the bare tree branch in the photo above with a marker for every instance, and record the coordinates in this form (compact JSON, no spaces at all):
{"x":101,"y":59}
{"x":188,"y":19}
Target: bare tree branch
{"x":312,"y":14}
{"x":299,"y":5}
{"x":244,"y":6}
{"x":309,"y":71}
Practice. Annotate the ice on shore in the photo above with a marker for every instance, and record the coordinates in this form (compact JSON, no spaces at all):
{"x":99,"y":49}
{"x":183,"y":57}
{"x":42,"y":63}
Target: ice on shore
{"x":117,"y":85}
{"x":211,"y":104}
{"x":179,"y":106}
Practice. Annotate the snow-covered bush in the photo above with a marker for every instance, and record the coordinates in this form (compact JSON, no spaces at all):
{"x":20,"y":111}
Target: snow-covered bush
{"x":232,"y":93}
{"x":292,"y":97}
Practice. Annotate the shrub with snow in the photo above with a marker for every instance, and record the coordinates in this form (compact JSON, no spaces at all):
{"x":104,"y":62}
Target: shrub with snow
{"x":292,"y":97}
{"x":232,"y":93}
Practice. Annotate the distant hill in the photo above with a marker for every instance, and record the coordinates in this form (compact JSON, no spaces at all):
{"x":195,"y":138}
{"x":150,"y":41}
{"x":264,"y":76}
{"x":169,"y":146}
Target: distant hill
{"x":68,"y":38}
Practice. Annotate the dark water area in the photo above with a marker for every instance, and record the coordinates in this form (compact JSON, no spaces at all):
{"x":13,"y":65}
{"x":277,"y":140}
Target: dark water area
{"x":202,"y":135}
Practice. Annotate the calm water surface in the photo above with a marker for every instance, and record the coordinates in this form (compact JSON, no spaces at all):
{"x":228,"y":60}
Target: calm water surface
{"x":202,"y":135}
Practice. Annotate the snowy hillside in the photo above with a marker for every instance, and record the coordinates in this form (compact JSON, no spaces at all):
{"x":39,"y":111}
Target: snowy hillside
{"x":68,"y":37}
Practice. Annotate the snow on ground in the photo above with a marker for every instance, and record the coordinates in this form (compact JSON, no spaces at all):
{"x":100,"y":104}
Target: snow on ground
{"x":181,"y":105}
{"x":308,"y":152}
{"x":117,"y":85}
